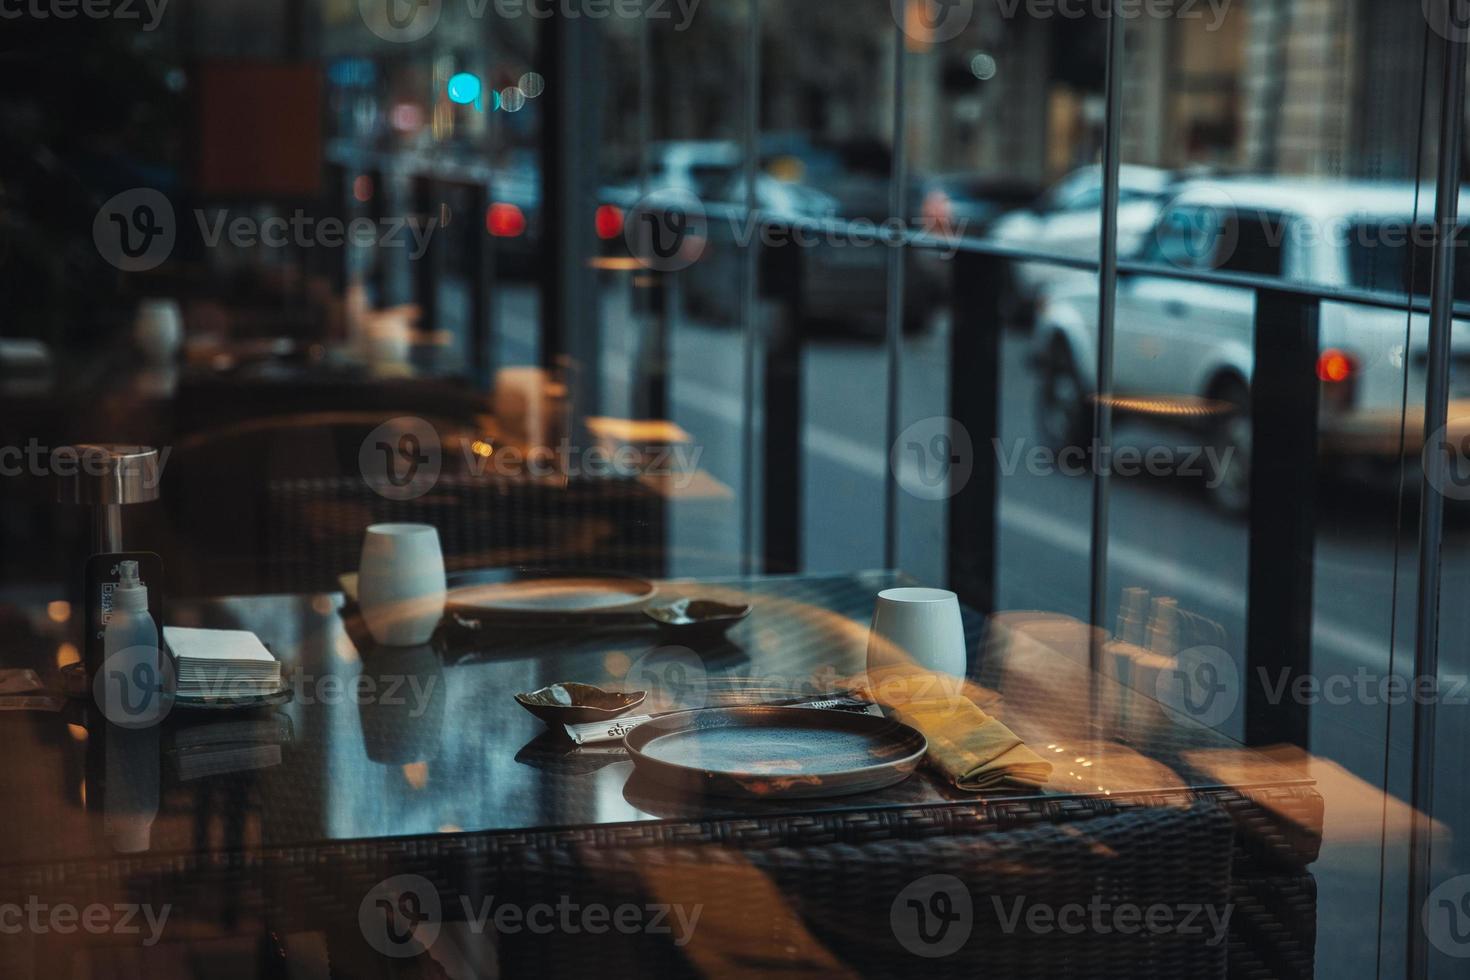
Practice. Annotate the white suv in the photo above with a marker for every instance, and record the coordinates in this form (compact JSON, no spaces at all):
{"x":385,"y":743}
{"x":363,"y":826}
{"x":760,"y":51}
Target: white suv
{"x":1067,"y":220}
{"x":1177,"y":339}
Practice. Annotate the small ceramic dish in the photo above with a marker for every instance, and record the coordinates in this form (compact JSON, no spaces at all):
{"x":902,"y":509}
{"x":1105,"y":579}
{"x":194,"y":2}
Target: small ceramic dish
{"x":697,"y":618}
{"x":575,"y":704}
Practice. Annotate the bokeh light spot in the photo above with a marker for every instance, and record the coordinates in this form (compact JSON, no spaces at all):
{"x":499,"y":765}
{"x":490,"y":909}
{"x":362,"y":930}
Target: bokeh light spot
{"x":464,"y":88}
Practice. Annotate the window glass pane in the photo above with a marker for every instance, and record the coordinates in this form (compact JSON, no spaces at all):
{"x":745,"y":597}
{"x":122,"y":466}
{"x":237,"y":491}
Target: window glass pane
{"x":826,"y":161}
{"x":624,"y":352}
{"x":1292,"y":134}
{"x":1003,"y":125}
{"x":691,"y":340}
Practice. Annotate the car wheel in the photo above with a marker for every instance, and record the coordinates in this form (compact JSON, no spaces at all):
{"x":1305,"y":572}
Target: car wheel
{"x":1062,"y":411}
{"x":1229,"y":466}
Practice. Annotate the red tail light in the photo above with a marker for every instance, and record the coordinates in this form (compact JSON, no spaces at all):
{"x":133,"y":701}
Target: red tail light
{"x":505,"y":221}
{"x":609,"y":222}
{"x":938,"y":213}
{"x":1335,"y":366}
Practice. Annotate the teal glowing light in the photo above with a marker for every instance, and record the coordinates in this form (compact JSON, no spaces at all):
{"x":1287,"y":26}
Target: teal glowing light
{"x":464,"y":89}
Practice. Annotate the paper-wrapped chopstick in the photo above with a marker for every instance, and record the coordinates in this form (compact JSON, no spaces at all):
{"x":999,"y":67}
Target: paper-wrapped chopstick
{"x":596,"y":732}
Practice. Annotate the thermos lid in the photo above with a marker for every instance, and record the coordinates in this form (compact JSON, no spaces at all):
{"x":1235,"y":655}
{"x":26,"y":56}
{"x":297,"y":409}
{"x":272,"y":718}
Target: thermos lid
{"x":92,"y":473}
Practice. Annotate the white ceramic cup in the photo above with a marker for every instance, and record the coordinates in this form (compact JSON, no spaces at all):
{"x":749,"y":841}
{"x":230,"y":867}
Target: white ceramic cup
{"x":401,"y":586}
{"x":389,"y":337}
{"x":917,"y":630}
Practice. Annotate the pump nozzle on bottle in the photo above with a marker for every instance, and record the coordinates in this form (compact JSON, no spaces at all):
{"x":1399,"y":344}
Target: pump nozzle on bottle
{"x":131,"y":594}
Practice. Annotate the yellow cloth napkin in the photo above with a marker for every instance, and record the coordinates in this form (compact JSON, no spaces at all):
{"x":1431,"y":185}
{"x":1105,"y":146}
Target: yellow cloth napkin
{"x":970,"y":747}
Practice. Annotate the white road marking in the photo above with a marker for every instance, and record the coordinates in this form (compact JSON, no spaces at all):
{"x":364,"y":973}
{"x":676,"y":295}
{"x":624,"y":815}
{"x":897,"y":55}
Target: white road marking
{"x":843,"y":450}
{"x":1184,"y":579}
{"x":1039,"y":525}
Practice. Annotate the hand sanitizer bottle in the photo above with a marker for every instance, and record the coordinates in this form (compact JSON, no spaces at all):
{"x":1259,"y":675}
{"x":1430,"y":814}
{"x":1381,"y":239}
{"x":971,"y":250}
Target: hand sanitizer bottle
{"x":131,"y":658}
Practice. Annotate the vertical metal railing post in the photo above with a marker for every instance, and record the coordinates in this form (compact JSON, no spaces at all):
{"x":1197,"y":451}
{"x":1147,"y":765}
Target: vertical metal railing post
{"x":337,"y":192}
{"x":1107,"y":289}
{"x":429,"y":267}
{"x":377,"y":277}
{"x":1283,"y":489}
{"x":975,"y":331}
{"x":481,"y":272}
{"x":749,"y":292}
{"x":1431,"y":498}
{"x":571,"y":322}
{"x":896,"y":256}
{"x":784,"y":351}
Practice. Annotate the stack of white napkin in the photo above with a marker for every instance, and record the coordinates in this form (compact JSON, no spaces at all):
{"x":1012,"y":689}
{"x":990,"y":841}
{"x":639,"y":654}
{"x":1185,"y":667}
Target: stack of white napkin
{"x":221,"y":663}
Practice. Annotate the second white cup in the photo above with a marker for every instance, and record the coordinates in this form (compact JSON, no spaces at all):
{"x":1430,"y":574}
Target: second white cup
{"x":401,"y":586}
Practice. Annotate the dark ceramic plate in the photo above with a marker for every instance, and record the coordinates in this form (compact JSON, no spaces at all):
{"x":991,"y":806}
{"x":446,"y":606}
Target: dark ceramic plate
{"x":697,"y":618}
{"x":773,"y":753}
{"x":553,"y":596}
{"x":576,"y":704}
